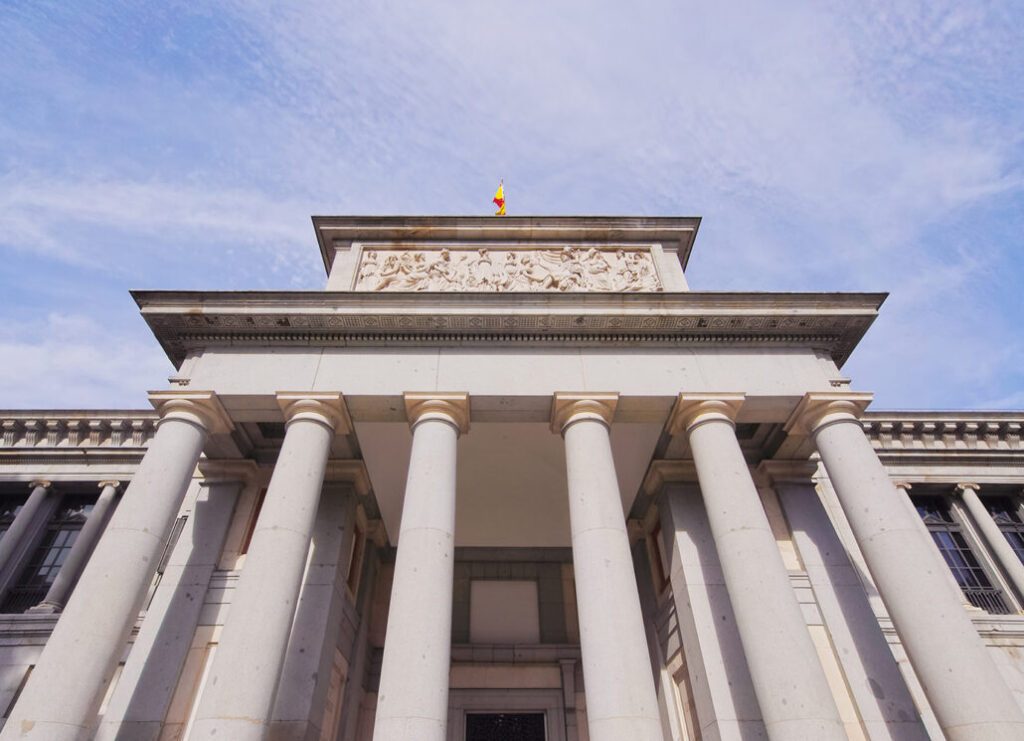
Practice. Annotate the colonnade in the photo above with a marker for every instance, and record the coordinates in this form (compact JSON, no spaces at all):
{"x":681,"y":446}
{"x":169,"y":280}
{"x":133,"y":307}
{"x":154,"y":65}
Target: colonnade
{"x":970,"y":700}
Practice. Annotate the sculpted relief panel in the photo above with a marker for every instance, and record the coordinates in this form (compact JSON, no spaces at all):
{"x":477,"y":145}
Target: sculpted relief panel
{"x":565,"y":269}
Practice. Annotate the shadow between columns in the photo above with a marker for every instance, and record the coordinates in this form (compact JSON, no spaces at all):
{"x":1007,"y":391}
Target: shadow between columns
{"x":202,"y":539}
{"x":810,"y":522}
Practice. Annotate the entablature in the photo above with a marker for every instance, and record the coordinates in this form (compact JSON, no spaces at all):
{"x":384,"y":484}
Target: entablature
{"x":189,"y":321}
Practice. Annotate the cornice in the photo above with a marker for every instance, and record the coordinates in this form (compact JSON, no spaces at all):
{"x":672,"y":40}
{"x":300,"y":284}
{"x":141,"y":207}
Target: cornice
{"x":827,"y":322}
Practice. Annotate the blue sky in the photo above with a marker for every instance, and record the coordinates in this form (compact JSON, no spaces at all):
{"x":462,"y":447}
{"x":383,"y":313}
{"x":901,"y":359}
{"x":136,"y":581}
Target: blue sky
{"x":828,"y":146}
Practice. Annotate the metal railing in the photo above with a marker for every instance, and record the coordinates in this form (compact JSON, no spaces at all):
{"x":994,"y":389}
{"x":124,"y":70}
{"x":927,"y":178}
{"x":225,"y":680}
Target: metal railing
{"x":989,"y":599}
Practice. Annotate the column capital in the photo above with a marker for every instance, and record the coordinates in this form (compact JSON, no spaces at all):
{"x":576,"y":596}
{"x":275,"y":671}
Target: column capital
{"x":451,"y":407}
{"x":219,"y":471}
{"x":818,"y":408}
{"x":788,"y":471}
{"x":109,"y":482}
{"x":198,"y":407}
{"x":327,"y":408}
{"x":691,"y":410}
{"x":958,"y":490}
{"x":45,"y":483}
{"x":569,"y":407}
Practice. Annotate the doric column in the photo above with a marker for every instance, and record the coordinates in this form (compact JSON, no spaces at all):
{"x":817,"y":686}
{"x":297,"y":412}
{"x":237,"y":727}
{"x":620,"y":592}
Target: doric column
{"x":617,"y":677}
{"x":242,"y":682}
{"x":412,"y":702}
{"x":90,"y":533}
{"x":11,"y":539}
{"x":789,"y":681}
{"x":1007,"y":559}
{"x":61,"y":698}
{"x":969,"y":697}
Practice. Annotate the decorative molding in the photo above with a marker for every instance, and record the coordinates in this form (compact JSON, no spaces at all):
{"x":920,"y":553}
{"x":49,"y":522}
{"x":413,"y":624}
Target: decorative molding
{"x":72,"y":430}
{"x":931,"y":433}
{"x":339,"y":233}
{"x":187,"y":321}
{"x":567,"y":408}
{"x":564,"y":268}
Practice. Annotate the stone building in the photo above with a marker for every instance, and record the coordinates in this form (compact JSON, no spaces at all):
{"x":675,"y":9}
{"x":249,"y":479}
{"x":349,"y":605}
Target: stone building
{"x":510,"y":478}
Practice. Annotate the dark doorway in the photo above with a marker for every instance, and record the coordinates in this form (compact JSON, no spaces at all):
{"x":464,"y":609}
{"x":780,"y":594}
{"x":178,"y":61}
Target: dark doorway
{"x":505,"y":727}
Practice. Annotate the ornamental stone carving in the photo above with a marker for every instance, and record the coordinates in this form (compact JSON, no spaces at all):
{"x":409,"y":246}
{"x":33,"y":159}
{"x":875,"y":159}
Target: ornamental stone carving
{"x":557,"y":269}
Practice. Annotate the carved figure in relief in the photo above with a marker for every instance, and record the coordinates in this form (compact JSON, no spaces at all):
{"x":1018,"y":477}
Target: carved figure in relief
{"x":441,"y":271}
{"x":564,"y":269}
{"x":368,"y":267}
{"x":480,"y":271}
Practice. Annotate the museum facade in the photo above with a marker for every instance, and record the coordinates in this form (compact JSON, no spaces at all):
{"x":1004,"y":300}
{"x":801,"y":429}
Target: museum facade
{"x":510,"y":478}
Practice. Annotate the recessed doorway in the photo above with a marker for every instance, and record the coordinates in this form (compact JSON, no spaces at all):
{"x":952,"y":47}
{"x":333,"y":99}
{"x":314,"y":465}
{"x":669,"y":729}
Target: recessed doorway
{"x":505,"y":727}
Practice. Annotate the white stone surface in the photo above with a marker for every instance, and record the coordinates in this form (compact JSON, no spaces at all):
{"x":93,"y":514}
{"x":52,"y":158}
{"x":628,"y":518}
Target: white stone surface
{"x":302,"y":690}
{"x":412,"y":702}
{"x":82,"y":653}
{"x":885,"y":706}
{"x":618,"y":681}
{"x":788,"y":679}
{"x":511,"y":372}
{"x":140,"y":702}
{"x":242,"y":684}
{"x":505,"y":611}
{"x":723,"y":692}
{"x":964,"y":688}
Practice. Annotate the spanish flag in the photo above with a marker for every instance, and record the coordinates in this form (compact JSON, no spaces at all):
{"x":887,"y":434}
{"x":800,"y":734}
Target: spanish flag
{"x":499,"y":199}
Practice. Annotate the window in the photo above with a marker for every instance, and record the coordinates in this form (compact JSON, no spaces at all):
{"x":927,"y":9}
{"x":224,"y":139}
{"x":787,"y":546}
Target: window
{"x":1006,"y":512}
{"x":42,"y":567}
{"x":968,"y":572}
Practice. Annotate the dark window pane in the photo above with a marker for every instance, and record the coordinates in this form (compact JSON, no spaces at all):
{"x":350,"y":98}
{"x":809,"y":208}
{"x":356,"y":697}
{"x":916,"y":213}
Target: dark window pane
{"x":505,"y":727}
{"x":957,"y":553}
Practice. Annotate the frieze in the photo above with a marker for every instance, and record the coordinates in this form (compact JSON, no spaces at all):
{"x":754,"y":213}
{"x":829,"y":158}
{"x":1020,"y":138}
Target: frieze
{"x":565,"y":269}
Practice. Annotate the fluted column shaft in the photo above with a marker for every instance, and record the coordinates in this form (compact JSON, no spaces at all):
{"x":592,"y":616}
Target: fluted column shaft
{"x":72,"y":567}
{"x":412,"y":702}
{"x":1008,"y":560}
{"x":61,"y":698}
{"x":792,"y":690}
{"x":969,"y":697}
{"x":13,"y":537}
{"x":619,"y":686}
{"x":242,"y":682}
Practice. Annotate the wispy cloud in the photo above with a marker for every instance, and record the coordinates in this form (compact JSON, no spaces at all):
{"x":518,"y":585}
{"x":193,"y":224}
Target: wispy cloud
{"x":63,"y":360}
{"x":836,"y":146}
